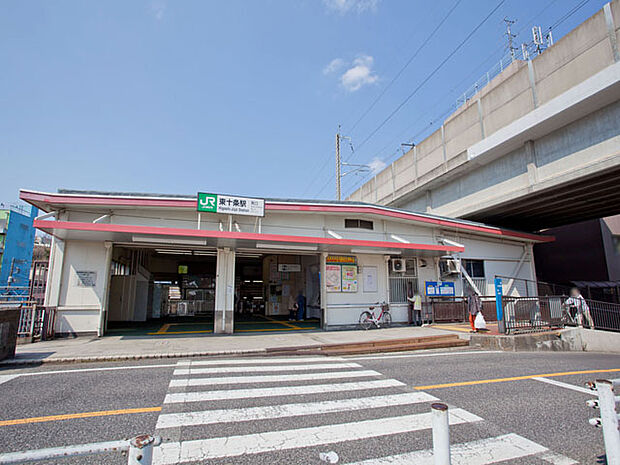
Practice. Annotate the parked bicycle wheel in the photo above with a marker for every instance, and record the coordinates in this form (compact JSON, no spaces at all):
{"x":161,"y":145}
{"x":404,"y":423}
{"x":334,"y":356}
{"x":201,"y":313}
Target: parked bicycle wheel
{"x":365,"y":320}
{"x":386,"y":320}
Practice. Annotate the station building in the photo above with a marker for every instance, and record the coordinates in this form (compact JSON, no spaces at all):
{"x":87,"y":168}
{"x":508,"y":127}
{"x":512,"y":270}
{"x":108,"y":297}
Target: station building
{"x":166,"y":261}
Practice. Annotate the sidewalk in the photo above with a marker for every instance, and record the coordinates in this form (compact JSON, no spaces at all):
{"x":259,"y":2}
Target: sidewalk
{"x":109,"y":348}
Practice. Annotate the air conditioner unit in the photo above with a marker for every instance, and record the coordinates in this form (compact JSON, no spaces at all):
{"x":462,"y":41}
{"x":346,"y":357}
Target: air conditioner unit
{"x":449,"y":265}
{"x":398,"y":265}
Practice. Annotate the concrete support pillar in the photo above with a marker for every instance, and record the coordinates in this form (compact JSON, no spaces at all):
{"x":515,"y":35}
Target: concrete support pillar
{"x":611,"y":31}
{"x":325,"y":314}
{"x":443,"y":144}
{"x":54,"y":274}
{"x":415,"y":164}
{"x":393,"y":182}
{"x":480,"y":118}
{"x":224,"y":292}
{"x":532,"y":77}
{"x":429,"y":202}
{"x":532,"y":165}
{"x":103,"y":312}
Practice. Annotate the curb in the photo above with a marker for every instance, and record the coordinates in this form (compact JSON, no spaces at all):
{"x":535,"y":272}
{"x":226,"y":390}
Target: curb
{"x":119,"y":358}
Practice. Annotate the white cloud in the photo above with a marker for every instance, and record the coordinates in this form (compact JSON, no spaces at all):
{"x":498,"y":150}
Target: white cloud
{"x":344,"y":6}
{"x":376,"y":165}
{"x":359,"y":74}
{"x":158,"y":8}
{"x":334,"y":66}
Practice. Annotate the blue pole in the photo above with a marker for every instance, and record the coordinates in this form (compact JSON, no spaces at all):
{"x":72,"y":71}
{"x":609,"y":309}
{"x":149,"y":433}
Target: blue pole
{"x":499,"y":309}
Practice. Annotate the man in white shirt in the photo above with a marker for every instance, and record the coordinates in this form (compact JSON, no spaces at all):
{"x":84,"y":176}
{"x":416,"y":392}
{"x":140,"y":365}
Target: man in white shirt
{"x":576,"y":300}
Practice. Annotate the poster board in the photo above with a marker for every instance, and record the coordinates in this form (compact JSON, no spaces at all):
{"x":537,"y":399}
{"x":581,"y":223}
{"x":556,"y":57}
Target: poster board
{"x":333,"y":278}
{"x":349,"y":278}
{"x":369,"y":279}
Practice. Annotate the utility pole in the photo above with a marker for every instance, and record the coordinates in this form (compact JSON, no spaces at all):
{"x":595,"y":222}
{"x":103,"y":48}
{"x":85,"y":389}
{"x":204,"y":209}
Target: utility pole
{"x":510,"y":36}
{"x":338,"y":165}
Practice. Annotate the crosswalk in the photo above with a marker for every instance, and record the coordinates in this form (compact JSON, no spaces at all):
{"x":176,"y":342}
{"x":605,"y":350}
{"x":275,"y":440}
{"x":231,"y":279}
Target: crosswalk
{"x":288,"y":410}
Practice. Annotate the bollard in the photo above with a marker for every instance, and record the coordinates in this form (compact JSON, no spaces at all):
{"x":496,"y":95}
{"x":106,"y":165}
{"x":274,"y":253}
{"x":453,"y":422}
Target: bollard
{"x":609,"y":419}
{"x":141,"y":449}
{"x":441,"y":434}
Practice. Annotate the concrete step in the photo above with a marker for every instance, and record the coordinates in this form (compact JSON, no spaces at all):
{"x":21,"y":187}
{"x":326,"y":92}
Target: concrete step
{"x":388,"y":345}
{"x":398,"y":347}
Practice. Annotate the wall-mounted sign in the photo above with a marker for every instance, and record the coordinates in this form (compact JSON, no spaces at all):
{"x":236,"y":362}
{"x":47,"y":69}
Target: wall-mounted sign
{"x":218,"y":203}
{"x":341,"y":260}
{"x":349,"y":278}
{"x":86,"y":278}
{"x":369,"y":280}
{"x":333,"y":278}
{"x":182,"y":269}
{"x":439,"y":289}
{"x":289,"y":267}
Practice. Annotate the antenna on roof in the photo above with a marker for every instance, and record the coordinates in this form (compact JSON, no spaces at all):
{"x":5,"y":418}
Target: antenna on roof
{"x":510,"y":36}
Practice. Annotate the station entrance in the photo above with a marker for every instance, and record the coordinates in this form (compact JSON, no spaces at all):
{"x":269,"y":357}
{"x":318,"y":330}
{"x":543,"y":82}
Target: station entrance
{"x":164,"y":291}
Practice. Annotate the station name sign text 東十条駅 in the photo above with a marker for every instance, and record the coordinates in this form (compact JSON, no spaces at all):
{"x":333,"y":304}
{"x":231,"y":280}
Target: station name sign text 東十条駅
{"x":232,"y":205}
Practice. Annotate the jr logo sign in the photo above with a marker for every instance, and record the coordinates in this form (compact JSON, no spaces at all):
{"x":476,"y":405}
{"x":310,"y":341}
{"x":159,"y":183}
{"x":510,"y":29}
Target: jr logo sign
{"x":207,"y":203}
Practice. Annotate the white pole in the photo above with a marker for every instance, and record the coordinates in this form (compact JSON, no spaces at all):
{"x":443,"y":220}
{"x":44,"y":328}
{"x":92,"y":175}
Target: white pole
{"x":141,"y":450}
{"x":609,"y":420}
{"x":441,"y":434}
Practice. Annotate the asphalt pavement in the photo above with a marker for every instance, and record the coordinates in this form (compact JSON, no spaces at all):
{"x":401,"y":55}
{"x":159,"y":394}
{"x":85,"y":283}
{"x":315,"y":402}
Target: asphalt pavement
{"x":288,"y":410}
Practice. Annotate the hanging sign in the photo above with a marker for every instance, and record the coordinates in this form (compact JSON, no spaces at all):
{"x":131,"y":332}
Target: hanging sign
{"x":218,"y":203}
{"x":289,"y":267}
{"x":341,"y":260}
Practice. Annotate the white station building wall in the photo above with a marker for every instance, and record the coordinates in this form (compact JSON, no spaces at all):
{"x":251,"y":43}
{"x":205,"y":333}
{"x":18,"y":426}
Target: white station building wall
{"x":80,"y":308}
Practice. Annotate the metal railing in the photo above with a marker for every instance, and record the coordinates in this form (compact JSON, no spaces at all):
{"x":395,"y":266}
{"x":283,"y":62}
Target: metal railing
{"x":453,"y":309}
{"x":546,"y":312}
{"x":139,"y":451}
{"x":398,"y":288}
{"x":532,"y":313}
{"x":36,"y":322}
{"x":12,"y":294}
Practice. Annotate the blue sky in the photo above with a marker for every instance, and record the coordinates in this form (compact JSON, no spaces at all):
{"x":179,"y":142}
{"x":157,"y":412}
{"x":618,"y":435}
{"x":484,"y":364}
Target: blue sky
{"x":233,"y":96}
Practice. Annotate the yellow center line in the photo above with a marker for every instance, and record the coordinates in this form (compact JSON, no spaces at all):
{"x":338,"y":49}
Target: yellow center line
{"x":73,"y":416}
{"x":513,"y":378}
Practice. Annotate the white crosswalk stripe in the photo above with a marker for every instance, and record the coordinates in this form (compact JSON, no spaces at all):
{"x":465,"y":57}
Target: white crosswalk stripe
{"x":333,"y":406}
{"x":288,"y":410}
{"x":263,"y":369}
{"x":257,"y":379}
{"x":279,"y":391}
{"x":202,"y":449}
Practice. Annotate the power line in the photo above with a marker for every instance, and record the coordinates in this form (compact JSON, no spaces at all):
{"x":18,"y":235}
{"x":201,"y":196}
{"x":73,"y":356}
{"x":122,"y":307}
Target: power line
{"x":387,"y":87}
{"x":545,"y":8}
{"x":437,"y":68}
{"x":400,"y":72}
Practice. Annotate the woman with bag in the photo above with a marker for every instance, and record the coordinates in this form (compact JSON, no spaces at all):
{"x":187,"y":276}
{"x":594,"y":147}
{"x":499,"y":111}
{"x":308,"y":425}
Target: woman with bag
{"x":474,"y":305}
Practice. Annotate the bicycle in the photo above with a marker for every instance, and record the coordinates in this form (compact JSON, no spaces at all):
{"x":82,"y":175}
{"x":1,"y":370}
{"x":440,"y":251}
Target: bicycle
{"x":368,"y":318}
{"x":567,"y":315}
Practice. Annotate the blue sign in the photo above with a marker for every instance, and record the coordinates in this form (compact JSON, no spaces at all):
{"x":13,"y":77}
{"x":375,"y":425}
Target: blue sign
{"x":439,"y":289}
{"x":499,"y":309}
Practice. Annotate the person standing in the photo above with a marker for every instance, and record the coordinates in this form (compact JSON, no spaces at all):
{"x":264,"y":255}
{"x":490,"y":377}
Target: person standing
{"x":474,"y":306}
{"x":301,"y":306}
{"x":577,"y":301}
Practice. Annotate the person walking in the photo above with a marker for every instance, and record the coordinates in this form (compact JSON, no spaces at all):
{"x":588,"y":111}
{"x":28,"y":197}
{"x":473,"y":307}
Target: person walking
{"x":577,"y":301}
{"x":301,"y":305}
{"x":474,"y":306}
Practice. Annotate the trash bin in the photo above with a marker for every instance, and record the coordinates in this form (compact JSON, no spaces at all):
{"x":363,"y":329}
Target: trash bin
{"x":9,"y":320}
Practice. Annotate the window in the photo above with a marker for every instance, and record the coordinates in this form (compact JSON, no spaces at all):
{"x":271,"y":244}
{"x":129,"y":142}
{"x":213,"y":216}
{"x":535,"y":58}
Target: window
{"x":400,"y":282}
{"x":474,"y":268}
{"x":358,"y":224}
